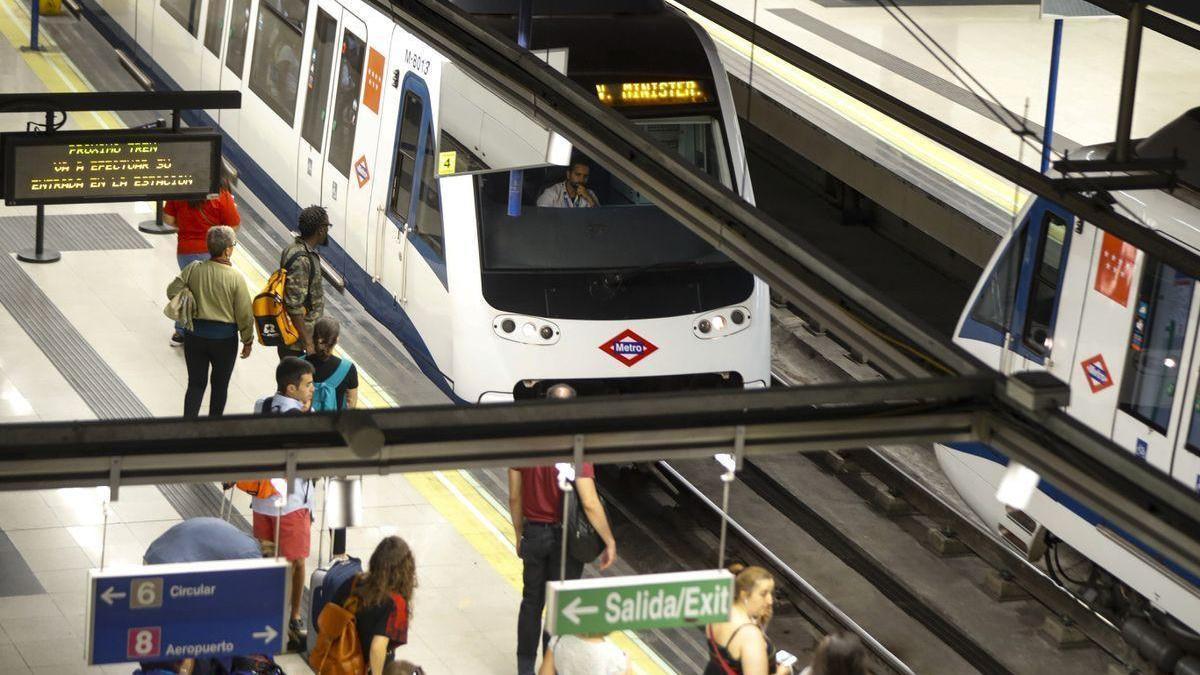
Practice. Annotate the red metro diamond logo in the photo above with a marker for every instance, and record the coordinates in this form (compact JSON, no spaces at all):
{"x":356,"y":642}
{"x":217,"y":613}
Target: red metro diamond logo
{"x":628,"y":348}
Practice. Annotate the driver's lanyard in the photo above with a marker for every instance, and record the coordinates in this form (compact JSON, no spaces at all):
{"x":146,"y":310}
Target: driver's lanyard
{"x":572,"y":203}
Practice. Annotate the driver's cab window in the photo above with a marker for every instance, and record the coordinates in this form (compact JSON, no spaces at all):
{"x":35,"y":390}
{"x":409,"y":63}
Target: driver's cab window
{"x":1043,"y":290}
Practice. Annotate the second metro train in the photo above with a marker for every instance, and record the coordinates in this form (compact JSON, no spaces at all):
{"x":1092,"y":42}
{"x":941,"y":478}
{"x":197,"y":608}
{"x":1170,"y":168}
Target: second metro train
{"x":1121,"y":328}
{"x":495,"y":298}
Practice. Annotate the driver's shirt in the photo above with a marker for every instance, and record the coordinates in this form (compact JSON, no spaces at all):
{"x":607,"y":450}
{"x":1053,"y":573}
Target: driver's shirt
{"x":556,"y":196}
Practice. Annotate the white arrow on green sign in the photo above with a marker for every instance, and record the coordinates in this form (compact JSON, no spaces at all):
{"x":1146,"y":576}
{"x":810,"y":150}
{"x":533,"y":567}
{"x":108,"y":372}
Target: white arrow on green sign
{"x":637,"y":602}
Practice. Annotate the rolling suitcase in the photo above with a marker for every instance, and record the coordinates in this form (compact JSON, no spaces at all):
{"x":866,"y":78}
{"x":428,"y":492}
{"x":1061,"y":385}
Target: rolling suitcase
{"x":325,"y":582}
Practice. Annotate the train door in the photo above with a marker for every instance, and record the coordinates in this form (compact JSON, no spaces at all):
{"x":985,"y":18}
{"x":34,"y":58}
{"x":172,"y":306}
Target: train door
{"x":413,"y":262}
{"x":215,"y":20}
{"x":174,"y":44}
{"x":237,"y":30}
{"x":314,"y":127}
{"x":337,"y":170}
{"x":1159,"y":345}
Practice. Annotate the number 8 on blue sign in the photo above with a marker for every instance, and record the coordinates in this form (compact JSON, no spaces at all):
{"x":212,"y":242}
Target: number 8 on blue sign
{"x":144,"y":643}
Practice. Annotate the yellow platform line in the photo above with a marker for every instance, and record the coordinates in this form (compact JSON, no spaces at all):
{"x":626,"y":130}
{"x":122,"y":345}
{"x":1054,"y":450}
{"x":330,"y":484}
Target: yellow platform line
{"x":50,"y":65}
{"x":943,"y":160}
{"x":478,"y":518}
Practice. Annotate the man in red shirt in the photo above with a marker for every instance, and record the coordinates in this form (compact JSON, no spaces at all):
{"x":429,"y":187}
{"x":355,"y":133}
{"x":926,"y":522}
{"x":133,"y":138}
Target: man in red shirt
{"x":535,"y":503}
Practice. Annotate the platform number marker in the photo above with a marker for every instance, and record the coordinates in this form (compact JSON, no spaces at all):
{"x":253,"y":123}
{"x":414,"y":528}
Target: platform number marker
{"x":1096,"y":371}
{"x":144,"y":643}
{"x":446,"y":162}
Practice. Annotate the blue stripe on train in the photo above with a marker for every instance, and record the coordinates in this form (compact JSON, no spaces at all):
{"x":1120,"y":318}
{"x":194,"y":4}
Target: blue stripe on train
{"x":987,"y":452}
{"x":376,"y":299}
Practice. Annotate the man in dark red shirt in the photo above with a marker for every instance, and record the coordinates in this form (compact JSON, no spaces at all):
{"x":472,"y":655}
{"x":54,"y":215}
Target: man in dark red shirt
{"x":535,"y":503}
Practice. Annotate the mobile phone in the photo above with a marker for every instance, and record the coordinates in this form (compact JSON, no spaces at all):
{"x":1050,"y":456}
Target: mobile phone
{"x":785,"y":658}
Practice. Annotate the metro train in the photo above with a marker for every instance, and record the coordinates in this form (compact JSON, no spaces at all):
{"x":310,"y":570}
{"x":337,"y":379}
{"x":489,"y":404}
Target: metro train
{"x":1120,"y":327}
{"x":495,"y":298}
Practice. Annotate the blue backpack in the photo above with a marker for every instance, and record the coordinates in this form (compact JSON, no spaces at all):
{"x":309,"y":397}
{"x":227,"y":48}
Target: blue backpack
{"x":325,"y":397}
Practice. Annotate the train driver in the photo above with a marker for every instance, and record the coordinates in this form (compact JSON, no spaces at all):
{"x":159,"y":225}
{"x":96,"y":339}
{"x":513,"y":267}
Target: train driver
{"x":571,"y":193}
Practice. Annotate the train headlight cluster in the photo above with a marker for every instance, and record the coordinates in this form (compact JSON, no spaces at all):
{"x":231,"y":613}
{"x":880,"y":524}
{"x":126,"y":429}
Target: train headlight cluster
{"x":721,"y":323}
{"x":526,"y":329}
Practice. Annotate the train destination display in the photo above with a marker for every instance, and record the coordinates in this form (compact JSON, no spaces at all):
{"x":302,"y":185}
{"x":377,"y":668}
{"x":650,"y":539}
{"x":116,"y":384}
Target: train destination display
{"x":73,"y":167}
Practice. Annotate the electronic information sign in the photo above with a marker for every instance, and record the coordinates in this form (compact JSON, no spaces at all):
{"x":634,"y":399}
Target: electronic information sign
{"x":175,"y":611}
{"x":79,"y":167}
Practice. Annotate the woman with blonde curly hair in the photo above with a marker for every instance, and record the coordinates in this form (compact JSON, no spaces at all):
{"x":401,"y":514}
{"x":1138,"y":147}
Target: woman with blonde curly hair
{"x":383,"y":596}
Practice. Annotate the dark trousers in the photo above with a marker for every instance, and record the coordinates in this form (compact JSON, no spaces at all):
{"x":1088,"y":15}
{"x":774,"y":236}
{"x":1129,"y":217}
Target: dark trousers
{"x":541,"y":549}
{"x":200,"y":354}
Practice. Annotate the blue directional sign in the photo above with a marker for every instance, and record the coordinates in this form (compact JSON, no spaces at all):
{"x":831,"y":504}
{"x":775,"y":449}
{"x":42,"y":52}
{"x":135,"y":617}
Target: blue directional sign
{"x":172,"y":612}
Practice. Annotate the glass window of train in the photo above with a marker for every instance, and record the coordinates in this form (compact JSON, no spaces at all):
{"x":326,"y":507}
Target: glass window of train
{"x":1156,"y":344}
{"x":411,"y":118}
{"x":994,"y":307}
{"x":186,"y":12}
{"x":1043,"y":288}
{"x":429,"y":215}
{"x":312,"y":127}
{"x":239,"y":27}
{"x":213,"y":24}
{"x":275,"y":63}
{"x":345,"y":103}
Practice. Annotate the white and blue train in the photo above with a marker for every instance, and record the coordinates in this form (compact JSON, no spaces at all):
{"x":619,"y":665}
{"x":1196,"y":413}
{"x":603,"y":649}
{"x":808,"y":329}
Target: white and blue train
{"x":495,"y":299}
{"x":1121,"y":328}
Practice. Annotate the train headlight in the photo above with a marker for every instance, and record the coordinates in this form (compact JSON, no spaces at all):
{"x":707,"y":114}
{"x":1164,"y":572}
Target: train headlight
{"x":533,"y":331}
{"x":716,"y":325}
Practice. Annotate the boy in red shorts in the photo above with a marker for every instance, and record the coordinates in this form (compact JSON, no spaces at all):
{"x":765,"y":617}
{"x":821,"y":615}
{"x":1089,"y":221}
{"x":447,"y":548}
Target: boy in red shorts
{"x":293,"y":515}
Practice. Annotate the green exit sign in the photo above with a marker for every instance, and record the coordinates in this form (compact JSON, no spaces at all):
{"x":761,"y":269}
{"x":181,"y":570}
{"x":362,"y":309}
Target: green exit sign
{"x":638,"y":602}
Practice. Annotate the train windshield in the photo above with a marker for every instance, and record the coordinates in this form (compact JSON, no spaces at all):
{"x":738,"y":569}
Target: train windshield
{"x":578,"y":242}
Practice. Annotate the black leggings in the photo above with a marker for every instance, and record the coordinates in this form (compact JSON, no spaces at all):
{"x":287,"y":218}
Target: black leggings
{"x":199,"y":353}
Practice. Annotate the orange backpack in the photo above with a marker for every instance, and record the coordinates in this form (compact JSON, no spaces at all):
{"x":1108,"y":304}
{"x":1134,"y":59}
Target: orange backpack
{"x":275,"y":326}
{"x":257,"y":488}
{"x":338,"y":651}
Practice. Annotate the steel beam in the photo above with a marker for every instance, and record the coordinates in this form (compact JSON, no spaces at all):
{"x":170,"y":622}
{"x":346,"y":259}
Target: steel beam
{"x":120,"y":100}
{"x":1108,"y":481}
{"x":625,"y":429}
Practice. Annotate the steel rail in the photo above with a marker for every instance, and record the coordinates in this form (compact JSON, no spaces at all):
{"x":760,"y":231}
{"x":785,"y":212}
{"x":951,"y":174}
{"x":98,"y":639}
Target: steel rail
{"x":831,"y":611}
{"x":1092,"y":210}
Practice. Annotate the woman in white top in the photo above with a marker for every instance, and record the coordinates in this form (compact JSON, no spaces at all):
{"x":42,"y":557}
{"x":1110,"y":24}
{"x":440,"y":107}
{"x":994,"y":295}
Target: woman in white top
{"x":584,"y":655}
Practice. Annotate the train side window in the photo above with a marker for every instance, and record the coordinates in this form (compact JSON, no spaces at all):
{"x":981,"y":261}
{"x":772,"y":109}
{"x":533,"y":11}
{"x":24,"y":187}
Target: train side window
{"x":275,"y":63}
{"x":429,"y":217}
{"x":994,"y":307}
{"x":411,"y":117}
{"x":345,"y":103}
{"x":1156,"y":344}
{"x":312,"y":128}
{"x":239,"y":27}
{"x":213,"y":25}
{"x":186,"y":12}
{"x":1043,"y":288}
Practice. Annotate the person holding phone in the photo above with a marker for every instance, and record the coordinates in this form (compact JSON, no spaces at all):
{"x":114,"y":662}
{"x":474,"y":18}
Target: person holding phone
{"x":739,"y":646}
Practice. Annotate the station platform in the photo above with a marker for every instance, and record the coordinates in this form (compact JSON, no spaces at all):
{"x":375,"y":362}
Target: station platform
{"x":1006,"y":47}
{"x":85,"y":338}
